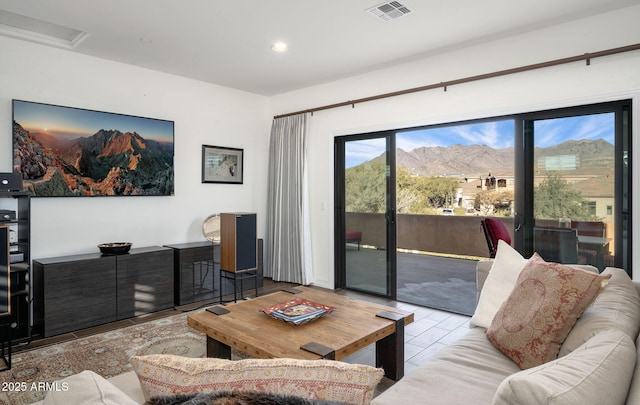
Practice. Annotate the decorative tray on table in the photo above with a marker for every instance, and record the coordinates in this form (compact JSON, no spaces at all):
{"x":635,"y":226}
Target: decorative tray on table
{"x":297,"y":311}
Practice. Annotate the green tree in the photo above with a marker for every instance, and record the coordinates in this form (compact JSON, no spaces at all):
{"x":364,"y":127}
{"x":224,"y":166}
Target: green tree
{"x":438,"y":191}
{"x":555,"y":198}
{"x":365,"y":188}
{"x":494,"y":202}
{"x":423,"y":194}
{"x":407,"y":198}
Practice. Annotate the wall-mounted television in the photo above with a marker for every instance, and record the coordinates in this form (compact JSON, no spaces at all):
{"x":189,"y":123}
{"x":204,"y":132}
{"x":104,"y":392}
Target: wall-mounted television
{"x":72,"y":152}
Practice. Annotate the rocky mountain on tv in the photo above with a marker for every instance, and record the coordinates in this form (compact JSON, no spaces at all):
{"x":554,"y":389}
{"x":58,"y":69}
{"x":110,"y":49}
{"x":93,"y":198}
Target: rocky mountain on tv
{"x":110,"y":162}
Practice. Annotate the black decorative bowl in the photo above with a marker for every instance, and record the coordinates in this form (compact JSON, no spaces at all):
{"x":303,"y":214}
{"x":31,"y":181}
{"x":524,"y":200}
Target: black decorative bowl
{"x":115,"y":248}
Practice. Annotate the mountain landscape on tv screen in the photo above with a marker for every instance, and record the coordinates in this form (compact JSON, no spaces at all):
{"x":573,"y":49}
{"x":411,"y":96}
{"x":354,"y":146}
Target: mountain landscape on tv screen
{"x":108,"y":163}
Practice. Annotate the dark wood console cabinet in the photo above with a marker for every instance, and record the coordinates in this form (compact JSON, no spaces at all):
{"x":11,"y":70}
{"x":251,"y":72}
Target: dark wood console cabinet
{"x":80,"y":291}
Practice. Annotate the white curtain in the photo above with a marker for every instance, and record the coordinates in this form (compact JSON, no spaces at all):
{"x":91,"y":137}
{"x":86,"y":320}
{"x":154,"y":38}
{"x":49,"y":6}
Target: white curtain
{"x":288,"y":240}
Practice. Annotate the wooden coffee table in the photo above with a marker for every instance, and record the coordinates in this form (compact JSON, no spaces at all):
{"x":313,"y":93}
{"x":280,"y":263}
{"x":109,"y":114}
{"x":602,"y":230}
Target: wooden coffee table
{"x":354,"y":325}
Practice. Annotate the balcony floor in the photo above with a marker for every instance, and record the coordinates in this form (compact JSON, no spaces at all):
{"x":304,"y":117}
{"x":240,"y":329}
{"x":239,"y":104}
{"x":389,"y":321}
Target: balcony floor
{"x":433,"y":281}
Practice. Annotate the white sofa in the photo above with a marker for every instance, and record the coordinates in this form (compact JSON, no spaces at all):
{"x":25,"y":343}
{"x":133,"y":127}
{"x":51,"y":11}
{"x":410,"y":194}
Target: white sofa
{"x":473,"y":371}
{"x":88,"y":388}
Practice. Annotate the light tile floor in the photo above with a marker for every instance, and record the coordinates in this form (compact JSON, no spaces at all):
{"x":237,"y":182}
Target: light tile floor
{"x":431,"y":331}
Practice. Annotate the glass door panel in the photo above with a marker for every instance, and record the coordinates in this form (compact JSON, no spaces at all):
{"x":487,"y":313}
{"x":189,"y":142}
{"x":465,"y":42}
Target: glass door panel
{"x":368,"y":218}
{"x":574,"y":189}
{"x":448,"y":178}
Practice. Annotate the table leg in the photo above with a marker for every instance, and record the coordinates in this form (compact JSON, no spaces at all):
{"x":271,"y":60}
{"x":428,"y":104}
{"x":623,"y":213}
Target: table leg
{"x":600,"y":252}
{"x":5,"y":343}
{"x":218,"y":349}
{"x":390,"y":350}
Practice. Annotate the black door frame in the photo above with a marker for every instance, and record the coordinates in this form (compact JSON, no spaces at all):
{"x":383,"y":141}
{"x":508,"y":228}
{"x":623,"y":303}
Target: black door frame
{"x":390,"y":215}
{"x":524,"y":176}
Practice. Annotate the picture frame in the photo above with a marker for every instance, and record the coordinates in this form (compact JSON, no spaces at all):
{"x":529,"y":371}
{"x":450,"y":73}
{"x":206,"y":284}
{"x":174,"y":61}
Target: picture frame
{"x":222,"y":165}
{"x":62,"y":151}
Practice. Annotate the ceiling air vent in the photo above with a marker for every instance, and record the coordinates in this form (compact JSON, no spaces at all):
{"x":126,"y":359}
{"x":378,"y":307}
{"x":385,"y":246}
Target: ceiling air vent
{"x":389,"y":11}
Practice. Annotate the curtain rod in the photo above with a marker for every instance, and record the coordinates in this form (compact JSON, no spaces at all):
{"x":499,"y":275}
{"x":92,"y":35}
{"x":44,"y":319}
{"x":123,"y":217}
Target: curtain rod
{"x":556,"y":62}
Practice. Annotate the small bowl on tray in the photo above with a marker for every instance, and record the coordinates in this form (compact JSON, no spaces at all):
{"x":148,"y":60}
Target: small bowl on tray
{"x":115,"y":248}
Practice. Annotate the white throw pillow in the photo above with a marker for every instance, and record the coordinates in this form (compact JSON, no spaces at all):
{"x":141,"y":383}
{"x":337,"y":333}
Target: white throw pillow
{"x":86,"y":388}
{"x":500,"y":281}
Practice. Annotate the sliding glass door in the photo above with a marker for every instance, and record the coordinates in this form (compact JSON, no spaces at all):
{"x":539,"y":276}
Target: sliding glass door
{"x":576,"y":185}
{"x":365,"y":200}
{"x":560,"y":180}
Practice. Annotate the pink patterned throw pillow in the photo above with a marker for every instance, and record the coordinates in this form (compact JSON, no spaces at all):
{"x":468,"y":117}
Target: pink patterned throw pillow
{"x":542,"y":308}
{"x":164,"y":374}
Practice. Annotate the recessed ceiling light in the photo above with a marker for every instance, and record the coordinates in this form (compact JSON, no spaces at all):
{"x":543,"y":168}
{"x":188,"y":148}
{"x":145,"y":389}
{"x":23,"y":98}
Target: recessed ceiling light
{"x":280,"y":47}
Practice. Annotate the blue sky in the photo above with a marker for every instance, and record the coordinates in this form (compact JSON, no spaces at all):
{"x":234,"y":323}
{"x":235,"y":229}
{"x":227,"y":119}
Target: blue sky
{"x":496,"y":134}
{"x":66,"y":122}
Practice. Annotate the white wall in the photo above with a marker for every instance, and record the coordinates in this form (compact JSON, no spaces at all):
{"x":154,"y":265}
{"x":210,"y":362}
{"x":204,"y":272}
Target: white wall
{"x":609,"y":78}
{"x":203,"y":114}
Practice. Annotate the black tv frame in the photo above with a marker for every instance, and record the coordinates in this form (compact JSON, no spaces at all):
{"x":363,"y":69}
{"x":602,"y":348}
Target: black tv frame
{"x":71,"y":152}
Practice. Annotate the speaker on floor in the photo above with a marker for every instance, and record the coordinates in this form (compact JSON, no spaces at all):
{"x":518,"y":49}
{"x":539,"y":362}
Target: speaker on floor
{"x":238,"y":241}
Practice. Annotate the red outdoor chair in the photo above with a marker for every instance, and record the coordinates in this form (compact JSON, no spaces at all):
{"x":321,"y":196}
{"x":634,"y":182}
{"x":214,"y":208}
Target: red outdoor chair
{"x":494,"y":230}
{"x":353,"y":237}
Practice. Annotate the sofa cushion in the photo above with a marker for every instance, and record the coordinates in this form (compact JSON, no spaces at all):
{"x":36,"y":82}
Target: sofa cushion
{"x":498,"y":284}
{"x":541,"y":310}
{"x":87,"y":388}
{"x":468,"y":371}
{"x":598,"y":372}
{"x":162,"y":374}
{"x":616,"y":307}
{"x":129,"y":384}
{"x":633,"y":397}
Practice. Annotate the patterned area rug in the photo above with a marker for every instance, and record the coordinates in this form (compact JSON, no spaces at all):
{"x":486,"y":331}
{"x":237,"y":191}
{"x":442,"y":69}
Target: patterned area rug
{"x":106,"y":354}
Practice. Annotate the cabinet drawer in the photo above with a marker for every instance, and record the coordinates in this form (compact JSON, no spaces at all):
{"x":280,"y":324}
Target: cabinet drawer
{"x":145,"y":282}
{"x":79,"y":295}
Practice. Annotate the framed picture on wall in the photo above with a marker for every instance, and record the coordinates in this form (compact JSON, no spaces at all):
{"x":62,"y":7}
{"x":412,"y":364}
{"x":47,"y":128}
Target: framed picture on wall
{"x":222,"y":165}
{"x":74,"y":152}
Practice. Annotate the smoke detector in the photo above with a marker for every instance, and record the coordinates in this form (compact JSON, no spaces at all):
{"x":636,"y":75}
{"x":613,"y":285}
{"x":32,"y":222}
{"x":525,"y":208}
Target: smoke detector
{"x":389,"y":11}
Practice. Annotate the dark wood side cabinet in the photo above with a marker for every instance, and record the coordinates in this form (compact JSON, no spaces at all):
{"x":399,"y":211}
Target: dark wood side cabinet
{"x":197,"y":271}
{"x":80,"y":291}
{"x":196,"y":265}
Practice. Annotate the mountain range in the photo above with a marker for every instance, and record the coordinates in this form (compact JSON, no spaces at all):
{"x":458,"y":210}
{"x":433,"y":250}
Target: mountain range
{"x":473,"y":160}
{"x":109,"y":162}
